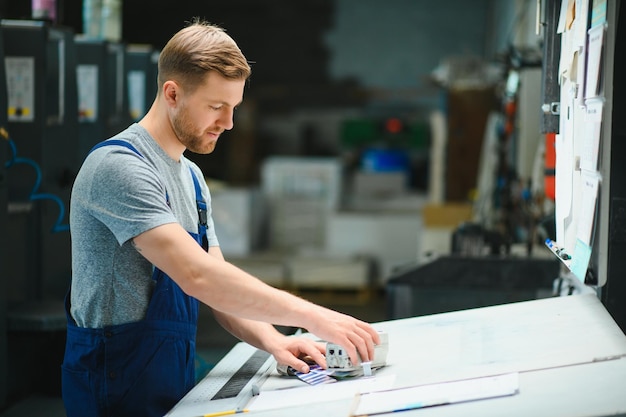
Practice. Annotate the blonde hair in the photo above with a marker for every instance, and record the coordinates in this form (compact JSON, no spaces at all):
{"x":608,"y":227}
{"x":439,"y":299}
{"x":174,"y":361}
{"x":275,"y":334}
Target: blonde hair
{"x":198,"y":49}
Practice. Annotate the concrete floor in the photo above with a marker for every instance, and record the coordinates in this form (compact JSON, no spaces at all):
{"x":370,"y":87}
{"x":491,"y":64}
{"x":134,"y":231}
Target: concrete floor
{"x":214,"y":342}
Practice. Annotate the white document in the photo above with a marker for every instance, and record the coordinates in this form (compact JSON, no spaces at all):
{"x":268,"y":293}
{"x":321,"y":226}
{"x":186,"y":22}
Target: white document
{"x":562,"y":17}
{"x":313,"y":394}
{"x":580,"y":23}
{"x":594,"y":55}
{"x":591,"y":136}
{"x":580,"y":43}
{"x":563,"y":183}
{"x":587,"y":213}
{"x":567,"y":57}
{"x":409,"y":398}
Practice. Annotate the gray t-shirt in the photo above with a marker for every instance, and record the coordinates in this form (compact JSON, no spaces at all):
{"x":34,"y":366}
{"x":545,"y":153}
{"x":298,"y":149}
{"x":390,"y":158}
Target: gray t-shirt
{"x":117,"y":196}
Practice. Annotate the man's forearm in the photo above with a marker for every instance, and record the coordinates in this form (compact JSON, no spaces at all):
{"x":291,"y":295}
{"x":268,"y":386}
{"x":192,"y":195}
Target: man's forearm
{"x":258,"y":334}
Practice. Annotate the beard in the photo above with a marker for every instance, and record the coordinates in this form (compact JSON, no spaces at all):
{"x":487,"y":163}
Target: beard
{"x":189,"y":136}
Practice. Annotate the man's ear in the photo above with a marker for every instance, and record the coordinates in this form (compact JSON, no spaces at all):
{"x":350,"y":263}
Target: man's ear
{"x":171,"y":92}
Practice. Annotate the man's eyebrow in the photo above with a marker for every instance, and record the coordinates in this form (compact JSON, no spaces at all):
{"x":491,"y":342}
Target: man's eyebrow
{"x":224,"y":103}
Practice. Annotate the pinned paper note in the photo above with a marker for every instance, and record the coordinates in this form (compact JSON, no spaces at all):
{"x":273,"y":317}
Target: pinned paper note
{"x":594,"y":56}
{"x":589,"y":183}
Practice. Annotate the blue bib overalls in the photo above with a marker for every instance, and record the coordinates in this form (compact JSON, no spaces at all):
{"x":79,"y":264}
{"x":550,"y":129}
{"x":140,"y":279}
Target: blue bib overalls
{"x":136,"y":369}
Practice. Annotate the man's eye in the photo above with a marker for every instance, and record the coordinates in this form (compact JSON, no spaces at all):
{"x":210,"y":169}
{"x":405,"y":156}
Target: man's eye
{"x":216,"y":107}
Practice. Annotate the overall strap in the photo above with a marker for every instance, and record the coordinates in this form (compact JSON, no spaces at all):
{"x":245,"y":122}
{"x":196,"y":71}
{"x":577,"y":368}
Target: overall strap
{"x":117,"y":142}
{"x":201,"y":205}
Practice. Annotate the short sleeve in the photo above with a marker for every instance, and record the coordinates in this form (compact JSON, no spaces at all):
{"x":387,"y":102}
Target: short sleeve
{"x":127,"y":195}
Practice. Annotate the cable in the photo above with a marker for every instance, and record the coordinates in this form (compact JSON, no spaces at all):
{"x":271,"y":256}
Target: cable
{"x":35,"y":195}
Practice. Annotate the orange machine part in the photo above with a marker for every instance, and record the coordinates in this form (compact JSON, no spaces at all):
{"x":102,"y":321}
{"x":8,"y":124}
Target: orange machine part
{"x":550,"y":166}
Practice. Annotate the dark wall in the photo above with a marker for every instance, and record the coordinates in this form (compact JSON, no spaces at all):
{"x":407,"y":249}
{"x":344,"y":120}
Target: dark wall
{"x":328,"y":55}
{"x":284,"y":41}
{"x":282,"y":38}
{"x":614,"y":292}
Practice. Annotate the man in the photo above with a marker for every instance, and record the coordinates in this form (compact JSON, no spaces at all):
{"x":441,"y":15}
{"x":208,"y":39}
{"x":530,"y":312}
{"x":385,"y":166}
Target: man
{"x":140,"y":216}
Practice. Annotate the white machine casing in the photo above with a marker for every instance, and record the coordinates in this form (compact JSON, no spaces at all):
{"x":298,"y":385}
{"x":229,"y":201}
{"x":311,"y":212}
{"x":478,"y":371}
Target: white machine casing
{"x":337,"y":357}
